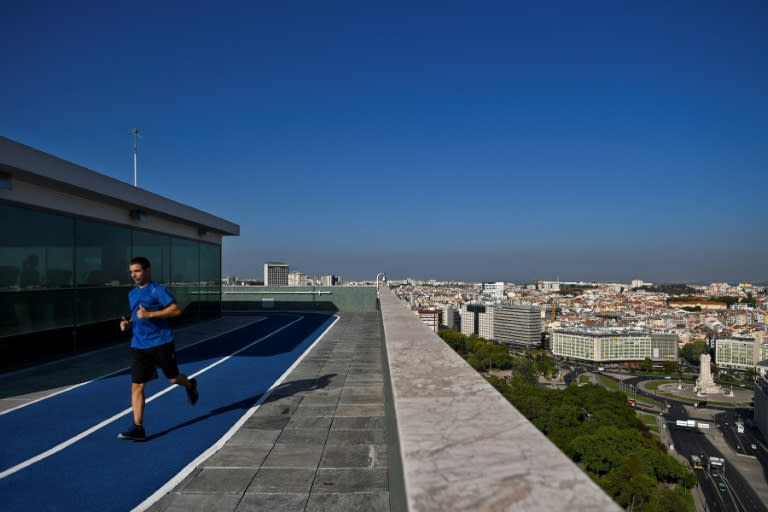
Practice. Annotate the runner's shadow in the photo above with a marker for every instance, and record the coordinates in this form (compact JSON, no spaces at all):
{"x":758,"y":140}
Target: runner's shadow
{"x":283,"y":390}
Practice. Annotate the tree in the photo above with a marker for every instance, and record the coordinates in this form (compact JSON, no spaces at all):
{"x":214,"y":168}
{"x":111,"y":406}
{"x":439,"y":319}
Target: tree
{"x":670,"y":366}
{"x":630,"y":485}
{"x":646,"y":365}
{"x":692,"y":351}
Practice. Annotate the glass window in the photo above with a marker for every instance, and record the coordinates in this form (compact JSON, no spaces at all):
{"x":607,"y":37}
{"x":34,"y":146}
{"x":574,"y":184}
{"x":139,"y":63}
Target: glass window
{"x":101,"y":271}
{"x":157,"y":249}
{"x":210,"y":278}
{"x":36,"y":262}
{"x":185,"y":273}
{"x":101,"y":258}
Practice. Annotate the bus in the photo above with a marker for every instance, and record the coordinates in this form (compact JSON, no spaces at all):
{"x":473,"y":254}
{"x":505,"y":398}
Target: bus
{"x":696,"y":462}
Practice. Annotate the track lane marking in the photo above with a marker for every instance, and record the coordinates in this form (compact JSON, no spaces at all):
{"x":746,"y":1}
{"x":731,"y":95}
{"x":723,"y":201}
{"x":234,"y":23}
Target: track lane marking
{"x":61,"y":446}
{"x":75,"y":386}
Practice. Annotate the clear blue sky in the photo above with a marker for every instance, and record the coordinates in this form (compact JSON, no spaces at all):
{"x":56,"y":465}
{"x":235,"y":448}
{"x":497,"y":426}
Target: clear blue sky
{"x":448,"y":140}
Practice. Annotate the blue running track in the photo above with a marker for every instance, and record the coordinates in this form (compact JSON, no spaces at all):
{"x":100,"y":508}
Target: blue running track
{"x":62,"y":453}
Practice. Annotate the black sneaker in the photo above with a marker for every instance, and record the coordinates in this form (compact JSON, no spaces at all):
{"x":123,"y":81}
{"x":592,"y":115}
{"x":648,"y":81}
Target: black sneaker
{"x":192,"y":395}
{"x":136,"y":433}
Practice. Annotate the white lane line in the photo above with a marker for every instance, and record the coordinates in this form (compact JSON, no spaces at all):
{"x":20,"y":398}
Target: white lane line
{"x":70,"y":388}
{"x":59,"y":447}
{"x":189,"y":468}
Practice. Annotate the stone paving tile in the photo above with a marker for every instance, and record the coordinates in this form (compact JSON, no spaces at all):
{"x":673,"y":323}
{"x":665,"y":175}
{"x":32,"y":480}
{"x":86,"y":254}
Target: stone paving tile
{"x":368,"y":502}
{"x":294,"y":456}
{"x":359,"y":422}
{"x":301,"y":436}
{"x":239,"y":456}
{"x":315,"y":410}
{"x":321,"y":400}
{"x":361,"y":395}
{"x":349,"y":480}
{"x":281,"y":480}
{"x":351,"y":437}
{"x":221,"y":480}
{"x":266,"y":422}
{"x":359,"y":410}
{"x":198,"y":503}
{"x":307,"y":422}
{"x":272,"y":503}
{"x":279,"y":407}
{"x":365,"y":381}
{"x":246,"y":436}
{"x":371,"y":456}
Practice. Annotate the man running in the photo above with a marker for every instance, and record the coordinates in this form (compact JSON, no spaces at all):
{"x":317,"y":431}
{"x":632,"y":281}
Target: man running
{"x":152,"y":343}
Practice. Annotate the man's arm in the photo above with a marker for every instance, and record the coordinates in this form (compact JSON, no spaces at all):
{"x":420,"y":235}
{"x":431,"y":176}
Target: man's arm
{"x":169,"y":311}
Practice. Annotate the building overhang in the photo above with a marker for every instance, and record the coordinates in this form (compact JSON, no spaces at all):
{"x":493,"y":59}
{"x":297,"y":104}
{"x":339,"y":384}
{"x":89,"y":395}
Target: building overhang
{"x":26,"y":172}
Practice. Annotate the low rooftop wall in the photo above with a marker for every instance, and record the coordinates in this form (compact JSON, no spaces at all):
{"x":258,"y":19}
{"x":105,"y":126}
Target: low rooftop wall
{"x":323,"y":298}
{"x":462,"y":445}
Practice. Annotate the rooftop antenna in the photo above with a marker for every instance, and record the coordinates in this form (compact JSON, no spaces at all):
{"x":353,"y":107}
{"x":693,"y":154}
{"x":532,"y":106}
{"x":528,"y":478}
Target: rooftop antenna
{"x":135,"y":133}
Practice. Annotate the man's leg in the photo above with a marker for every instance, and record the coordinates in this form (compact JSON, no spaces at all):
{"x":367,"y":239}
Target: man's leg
{"x":137,"y":403}
{"x":189,"y":384}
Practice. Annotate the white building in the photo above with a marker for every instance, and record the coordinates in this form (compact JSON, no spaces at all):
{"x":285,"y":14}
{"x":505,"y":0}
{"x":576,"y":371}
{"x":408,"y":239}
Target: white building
{"x":298,"y":279}
{"x":329,"y":280}
{"x":738,"y":352}
{"x":606,"y":345}
{"x":448,"y":317}
{"x":275,"y":273}
{"x":494,"y":291}
{"x":477,"y":319}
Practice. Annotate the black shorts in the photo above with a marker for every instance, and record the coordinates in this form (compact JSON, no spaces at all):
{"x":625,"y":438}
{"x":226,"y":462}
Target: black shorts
{"x":145,"y":361}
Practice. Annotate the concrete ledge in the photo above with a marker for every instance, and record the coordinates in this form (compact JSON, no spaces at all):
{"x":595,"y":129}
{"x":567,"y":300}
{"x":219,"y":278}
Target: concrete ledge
{"x":462,"y":445}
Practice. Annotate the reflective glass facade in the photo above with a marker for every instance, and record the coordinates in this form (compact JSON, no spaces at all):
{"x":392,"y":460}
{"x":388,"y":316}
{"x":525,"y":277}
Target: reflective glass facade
{"x":62,"y":272}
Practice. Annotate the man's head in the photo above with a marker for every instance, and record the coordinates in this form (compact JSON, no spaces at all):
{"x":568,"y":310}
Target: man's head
{"x":140,"y":270}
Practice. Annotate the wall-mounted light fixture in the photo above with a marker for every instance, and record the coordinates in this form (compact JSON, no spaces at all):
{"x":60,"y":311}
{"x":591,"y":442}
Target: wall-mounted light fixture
{"x":139,"y":215}
{"x":5,"y":181}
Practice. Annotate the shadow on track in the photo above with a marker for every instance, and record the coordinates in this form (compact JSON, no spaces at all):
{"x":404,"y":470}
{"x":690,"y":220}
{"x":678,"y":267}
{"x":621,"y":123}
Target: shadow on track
{"x":281,"y":391}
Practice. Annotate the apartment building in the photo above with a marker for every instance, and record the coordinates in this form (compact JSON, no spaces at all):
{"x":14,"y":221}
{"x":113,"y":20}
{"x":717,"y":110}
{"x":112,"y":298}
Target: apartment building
{"x":738,"y":352}
{"x":298,"y":279}
{"x":431,"y":318}
{"x":607,"y":345}
{"x":477,"y":319}
{"x":275,"y":273}
{"x":518,"y":325}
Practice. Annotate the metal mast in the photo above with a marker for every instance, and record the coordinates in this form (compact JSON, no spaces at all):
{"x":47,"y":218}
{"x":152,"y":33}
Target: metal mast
{"x":135,"y":133}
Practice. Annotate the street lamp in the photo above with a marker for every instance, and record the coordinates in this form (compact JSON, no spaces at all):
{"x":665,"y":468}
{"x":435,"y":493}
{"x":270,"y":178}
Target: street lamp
{"x":383,"y":280}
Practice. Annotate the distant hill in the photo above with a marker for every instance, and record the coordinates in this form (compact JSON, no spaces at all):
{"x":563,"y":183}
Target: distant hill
{"x":670,"y":289}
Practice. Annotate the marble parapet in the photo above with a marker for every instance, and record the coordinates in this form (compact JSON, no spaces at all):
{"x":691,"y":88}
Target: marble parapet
{"x":462,"y":445}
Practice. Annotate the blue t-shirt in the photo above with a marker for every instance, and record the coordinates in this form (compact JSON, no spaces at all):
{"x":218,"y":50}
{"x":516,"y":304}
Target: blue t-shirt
{"x":150,"y":332}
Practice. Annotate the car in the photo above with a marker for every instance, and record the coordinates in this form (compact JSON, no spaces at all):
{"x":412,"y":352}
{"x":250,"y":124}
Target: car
{"x":714,"y":473}
{"x":753,"y":446}
{"x":722,"y":486}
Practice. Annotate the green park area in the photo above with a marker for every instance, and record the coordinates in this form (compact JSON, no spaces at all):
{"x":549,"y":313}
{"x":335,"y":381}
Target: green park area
{"x":591,"y":424}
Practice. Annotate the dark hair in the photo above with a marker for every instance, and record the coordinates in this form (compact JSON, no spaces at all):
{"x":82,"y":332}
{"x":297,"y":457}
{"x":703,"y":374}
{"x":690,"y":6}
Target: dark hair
{"x":141,"y":260}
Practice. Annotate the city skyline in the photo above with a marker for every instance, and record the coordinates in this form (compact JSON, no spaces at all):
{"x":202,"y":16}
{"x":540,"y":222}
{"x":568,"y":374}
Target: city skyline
{"x":451,"y":141}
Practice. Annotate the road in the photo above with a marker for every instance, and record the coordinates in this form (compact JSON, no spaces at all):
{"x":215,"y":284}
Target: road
{"x":737,"y":495}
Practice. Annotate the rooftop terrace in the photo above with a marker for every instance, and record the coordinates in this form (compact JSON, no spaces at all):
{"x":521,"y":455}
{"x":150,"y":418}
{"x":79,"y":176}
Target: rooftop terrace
{"x":379,"y":415}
